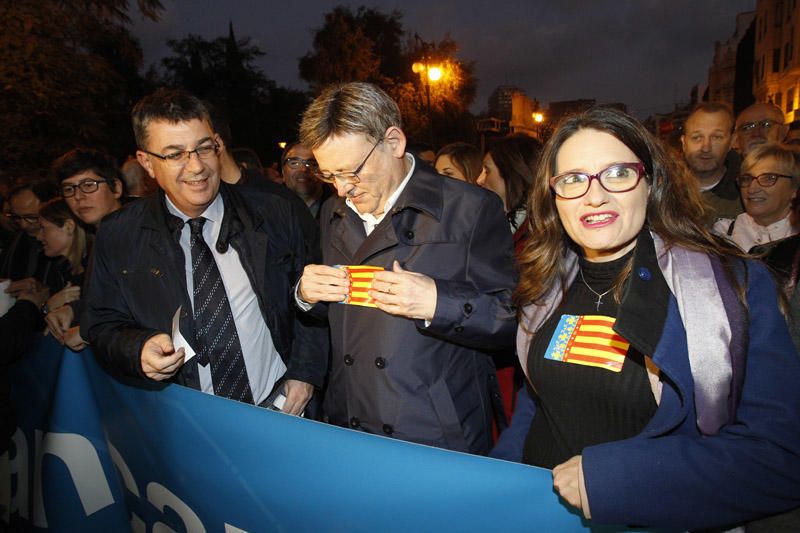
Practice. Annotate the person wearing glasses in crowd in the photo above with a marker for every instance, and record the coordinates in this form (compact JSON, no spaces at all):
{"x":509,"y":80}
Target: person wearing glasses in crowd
{"x":222,"y":258}
{"x":758,"y":124}
{"x":663,"y":376}
{"x":769,"y":181}
{"x":92,"y":186}
{"x":300,"y":170}
{"x":412,"y":366}
{"x":23,"y":261}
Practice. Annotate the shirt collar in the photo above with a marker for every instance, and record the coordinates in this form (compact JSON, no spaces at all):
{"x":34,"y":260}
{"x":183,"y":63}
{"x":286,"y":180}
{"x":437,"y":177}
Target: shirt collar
{"x":213,"y":212}
{"x":369,"y":218}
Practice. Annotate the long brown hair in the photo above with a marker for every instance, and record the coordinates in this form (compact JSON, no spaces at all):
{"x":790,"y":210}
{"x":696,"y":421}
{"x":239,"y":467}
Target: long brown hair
{"x":57,"y":212}
{"x":674,"y":207}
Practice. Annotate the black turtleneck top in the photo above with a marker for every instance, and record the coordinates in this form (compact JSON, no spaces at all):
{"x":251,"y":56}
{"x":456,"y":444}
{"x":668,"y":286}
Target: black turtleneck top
{"x":578,"y":405}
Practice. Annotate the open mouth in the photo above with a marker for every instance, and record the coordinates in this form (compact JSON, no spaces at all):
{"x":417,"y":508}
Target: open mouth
{"x":598,"y":219}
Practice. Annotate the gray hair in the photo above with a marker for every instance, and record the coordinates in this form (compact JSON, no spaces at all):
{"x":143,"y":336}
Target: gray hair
{"x":355,"y":107}
{"x":786,"y":157}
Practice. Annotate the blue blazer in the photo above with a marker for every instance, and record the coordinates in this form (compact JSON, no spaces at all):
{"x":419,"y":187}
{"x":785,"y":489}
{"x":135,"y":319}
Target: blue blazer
{"x":670,"y":475}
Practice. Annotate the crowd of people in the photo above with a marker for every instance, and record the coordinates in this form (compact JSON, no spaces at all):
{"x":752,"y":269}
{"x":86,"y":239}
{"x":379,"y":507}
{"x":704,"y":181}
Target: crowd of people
{"x":602,"y":306}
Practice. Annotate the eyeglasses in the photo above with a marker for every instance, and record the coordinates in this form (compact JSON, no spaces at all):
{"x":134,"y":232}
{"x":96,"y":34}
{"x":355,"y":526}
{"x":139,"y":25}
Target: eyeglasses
{"x":179,"y":159}
{"x":765,"y":180}
{"x":621,"y":177}
{"x":347,"y":177}
{"x":747,"y":127}
{"x":86,"y":186}
{"x":298,"y":163}
{"x":30,"y":219}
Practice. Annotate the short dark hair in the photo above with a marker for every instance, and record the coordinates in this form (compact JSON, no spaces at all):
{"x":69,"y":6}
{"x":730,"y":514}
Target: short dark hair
{"x":83,"y":159}
{"x":171,"y":105}
{"x":713,"y":107}
{"x":43,"y":189}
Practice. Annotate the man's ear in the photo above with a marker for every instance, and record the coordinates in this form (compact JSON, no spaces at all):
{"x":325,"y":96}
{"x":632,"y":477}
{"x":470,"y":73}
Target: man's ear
{"x":395,"y":139}
{"x":117,"y":189}
{"x":146,"y":163}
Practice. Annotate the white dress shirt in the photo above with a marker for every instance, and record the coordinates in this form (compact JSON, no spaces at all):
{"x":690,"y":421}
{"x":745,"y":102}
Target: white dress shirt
{"x":262,"y":361}
{"x":748,"y":233}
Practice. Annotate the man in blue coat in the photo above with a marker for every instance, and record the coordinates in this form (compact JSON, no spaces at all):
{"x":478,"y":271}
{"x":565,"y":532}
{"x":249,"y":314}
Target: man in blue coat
{"x":412,"y":363}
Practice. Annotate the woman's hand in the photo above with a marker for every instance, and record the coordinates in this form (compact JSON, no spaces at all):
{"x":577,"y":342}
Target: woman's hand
{"x":68,"y":294}
{"x":568,"y":482}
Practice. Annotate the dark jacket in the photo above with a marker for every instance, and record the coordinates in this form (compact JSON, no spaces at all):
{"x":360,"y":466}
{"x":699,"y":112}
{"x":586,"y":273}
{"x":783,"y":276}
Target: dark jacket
{"x":393,"y":376}
{"x":18,"y":328}
{"x":671,"y":475}
{"x":137,"y":281}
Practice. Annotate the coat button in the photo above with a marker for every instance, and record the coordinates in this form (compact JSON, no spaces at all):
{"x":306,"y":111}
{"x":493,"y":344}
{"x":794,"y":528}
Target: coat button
{"x":348,"y":359}
{"x":644,"y":273}
{"x":222,"y":247}
{"x":468,"y":308}
{"x":355,"y":423}
{"x":380,"y":362}
{"x":388,"y":429}
{"x":459,"y":329}
{"x":409,"y":235}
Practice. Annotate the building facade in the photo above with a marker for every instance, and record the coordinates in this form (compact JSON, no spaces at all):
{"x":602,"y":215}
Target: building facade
{"x":776,"y":69}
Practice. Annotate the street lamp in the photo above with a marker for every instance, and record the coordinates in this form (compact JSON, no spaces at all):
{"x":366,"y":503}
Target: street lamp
{"x":430,"y":74}
{"x":538,"y":118}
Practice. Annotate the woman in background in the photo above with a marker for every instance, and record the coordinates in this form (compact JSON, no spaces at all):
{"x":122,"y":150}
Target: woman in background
{"x":62,"y":235}
{"x":461,"y":161}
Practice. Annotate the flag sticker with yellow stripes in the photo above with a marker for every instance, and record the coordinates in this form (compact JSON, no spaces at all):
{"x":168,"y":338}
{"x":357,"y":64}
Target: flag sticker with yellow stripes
{"x":361,"y":277}
{"x":588,"y":340}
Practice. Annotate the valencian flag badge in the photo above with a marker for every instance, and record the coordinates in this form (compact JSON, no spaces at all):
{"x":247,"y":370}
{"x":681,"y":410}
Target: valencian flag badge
{"x":361,"y":277}
{"x":588,"y":340}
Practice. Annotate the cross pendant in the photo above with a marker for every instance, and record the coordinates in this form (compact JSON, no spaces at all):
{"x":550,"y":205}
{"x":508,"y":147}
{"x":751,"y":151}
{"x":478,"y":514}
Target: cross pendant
{"x":599,"y":301}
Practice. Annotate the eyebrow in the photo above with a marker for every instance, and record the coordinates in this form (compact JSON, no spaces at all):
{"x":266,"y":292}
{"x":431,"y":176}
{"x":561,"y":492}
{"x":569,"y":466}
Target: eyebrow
{"x":182,"y":147}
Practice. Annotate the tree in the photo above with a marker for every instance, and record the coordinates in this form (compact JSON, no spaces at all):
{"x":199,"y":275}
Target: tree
{"x":68,"y":77}
{"x":368,"y":45}
{"x":223,"y":71}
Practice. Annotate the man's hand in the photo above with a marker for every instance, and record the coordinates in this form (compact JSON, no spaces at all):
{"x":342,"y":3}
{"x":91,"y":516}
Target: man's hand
{"x":58,"y":322}
{"x":568,"y":482}
{"x":159,"y":359}
{"x":15,"y":288}
{"x":37,"y":296}
{"x":73,"y":339}
{"x":321,"y":283}
{"x":297,"y":395}
{"x":404,"y":293}
{"x":68,"y":294}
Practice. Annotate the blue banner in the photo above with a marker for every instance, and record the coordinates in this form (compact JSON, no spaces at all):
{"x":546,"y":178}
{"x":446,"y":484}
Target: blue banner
{"x":95,"y":454}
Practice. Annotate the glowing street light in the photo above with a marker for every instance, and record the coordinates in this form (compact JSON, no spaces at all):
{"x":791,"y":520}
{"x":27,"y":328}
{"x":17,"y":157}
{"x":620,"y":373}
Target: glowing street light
{"x":538,"y":117}
{"x":434,"y":73}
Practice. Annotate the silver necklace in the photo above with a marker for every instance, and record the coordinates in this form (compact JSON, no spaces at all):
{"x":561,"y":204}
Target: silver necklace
{"x":599,"y":295}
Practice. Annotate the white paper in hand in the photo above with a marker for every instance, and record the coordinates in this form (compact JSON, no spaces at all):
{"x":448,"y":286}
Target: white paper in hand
{"x":6,"y":300}
{"x":178,"y":340}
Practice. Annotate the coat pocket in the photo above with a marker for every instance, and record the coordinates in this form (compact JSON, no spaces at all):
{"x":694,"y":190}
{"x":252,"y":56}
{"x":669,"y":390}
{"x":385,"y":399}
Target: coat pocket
{"x":448,"y":416}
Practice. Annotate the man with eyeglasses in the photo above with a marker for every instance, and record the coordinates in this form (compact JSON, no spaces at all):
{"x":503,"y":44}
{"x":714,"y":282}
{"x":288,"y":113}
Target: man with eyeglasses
{"x":299,"y":170}
{"x":413,"y":366}
{"x":92,"y":186}
{"x":223,"y":258}
{"x":758,"y":124}
{"x":90,"y":182}
{"x":23,"y":260}
{"x":706,"y":142}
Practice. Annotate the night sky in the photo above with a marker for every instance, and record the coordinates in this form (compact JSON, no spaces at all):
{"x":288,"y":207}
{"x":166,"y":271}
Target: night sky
{"x":645,"y":53}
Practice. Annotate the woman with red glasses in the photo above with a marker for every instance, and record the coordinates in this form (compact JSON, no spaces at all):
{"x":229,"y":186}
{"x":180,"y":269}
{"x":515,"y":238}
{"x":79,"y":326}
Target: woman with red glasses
{"x":662,"y":381}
